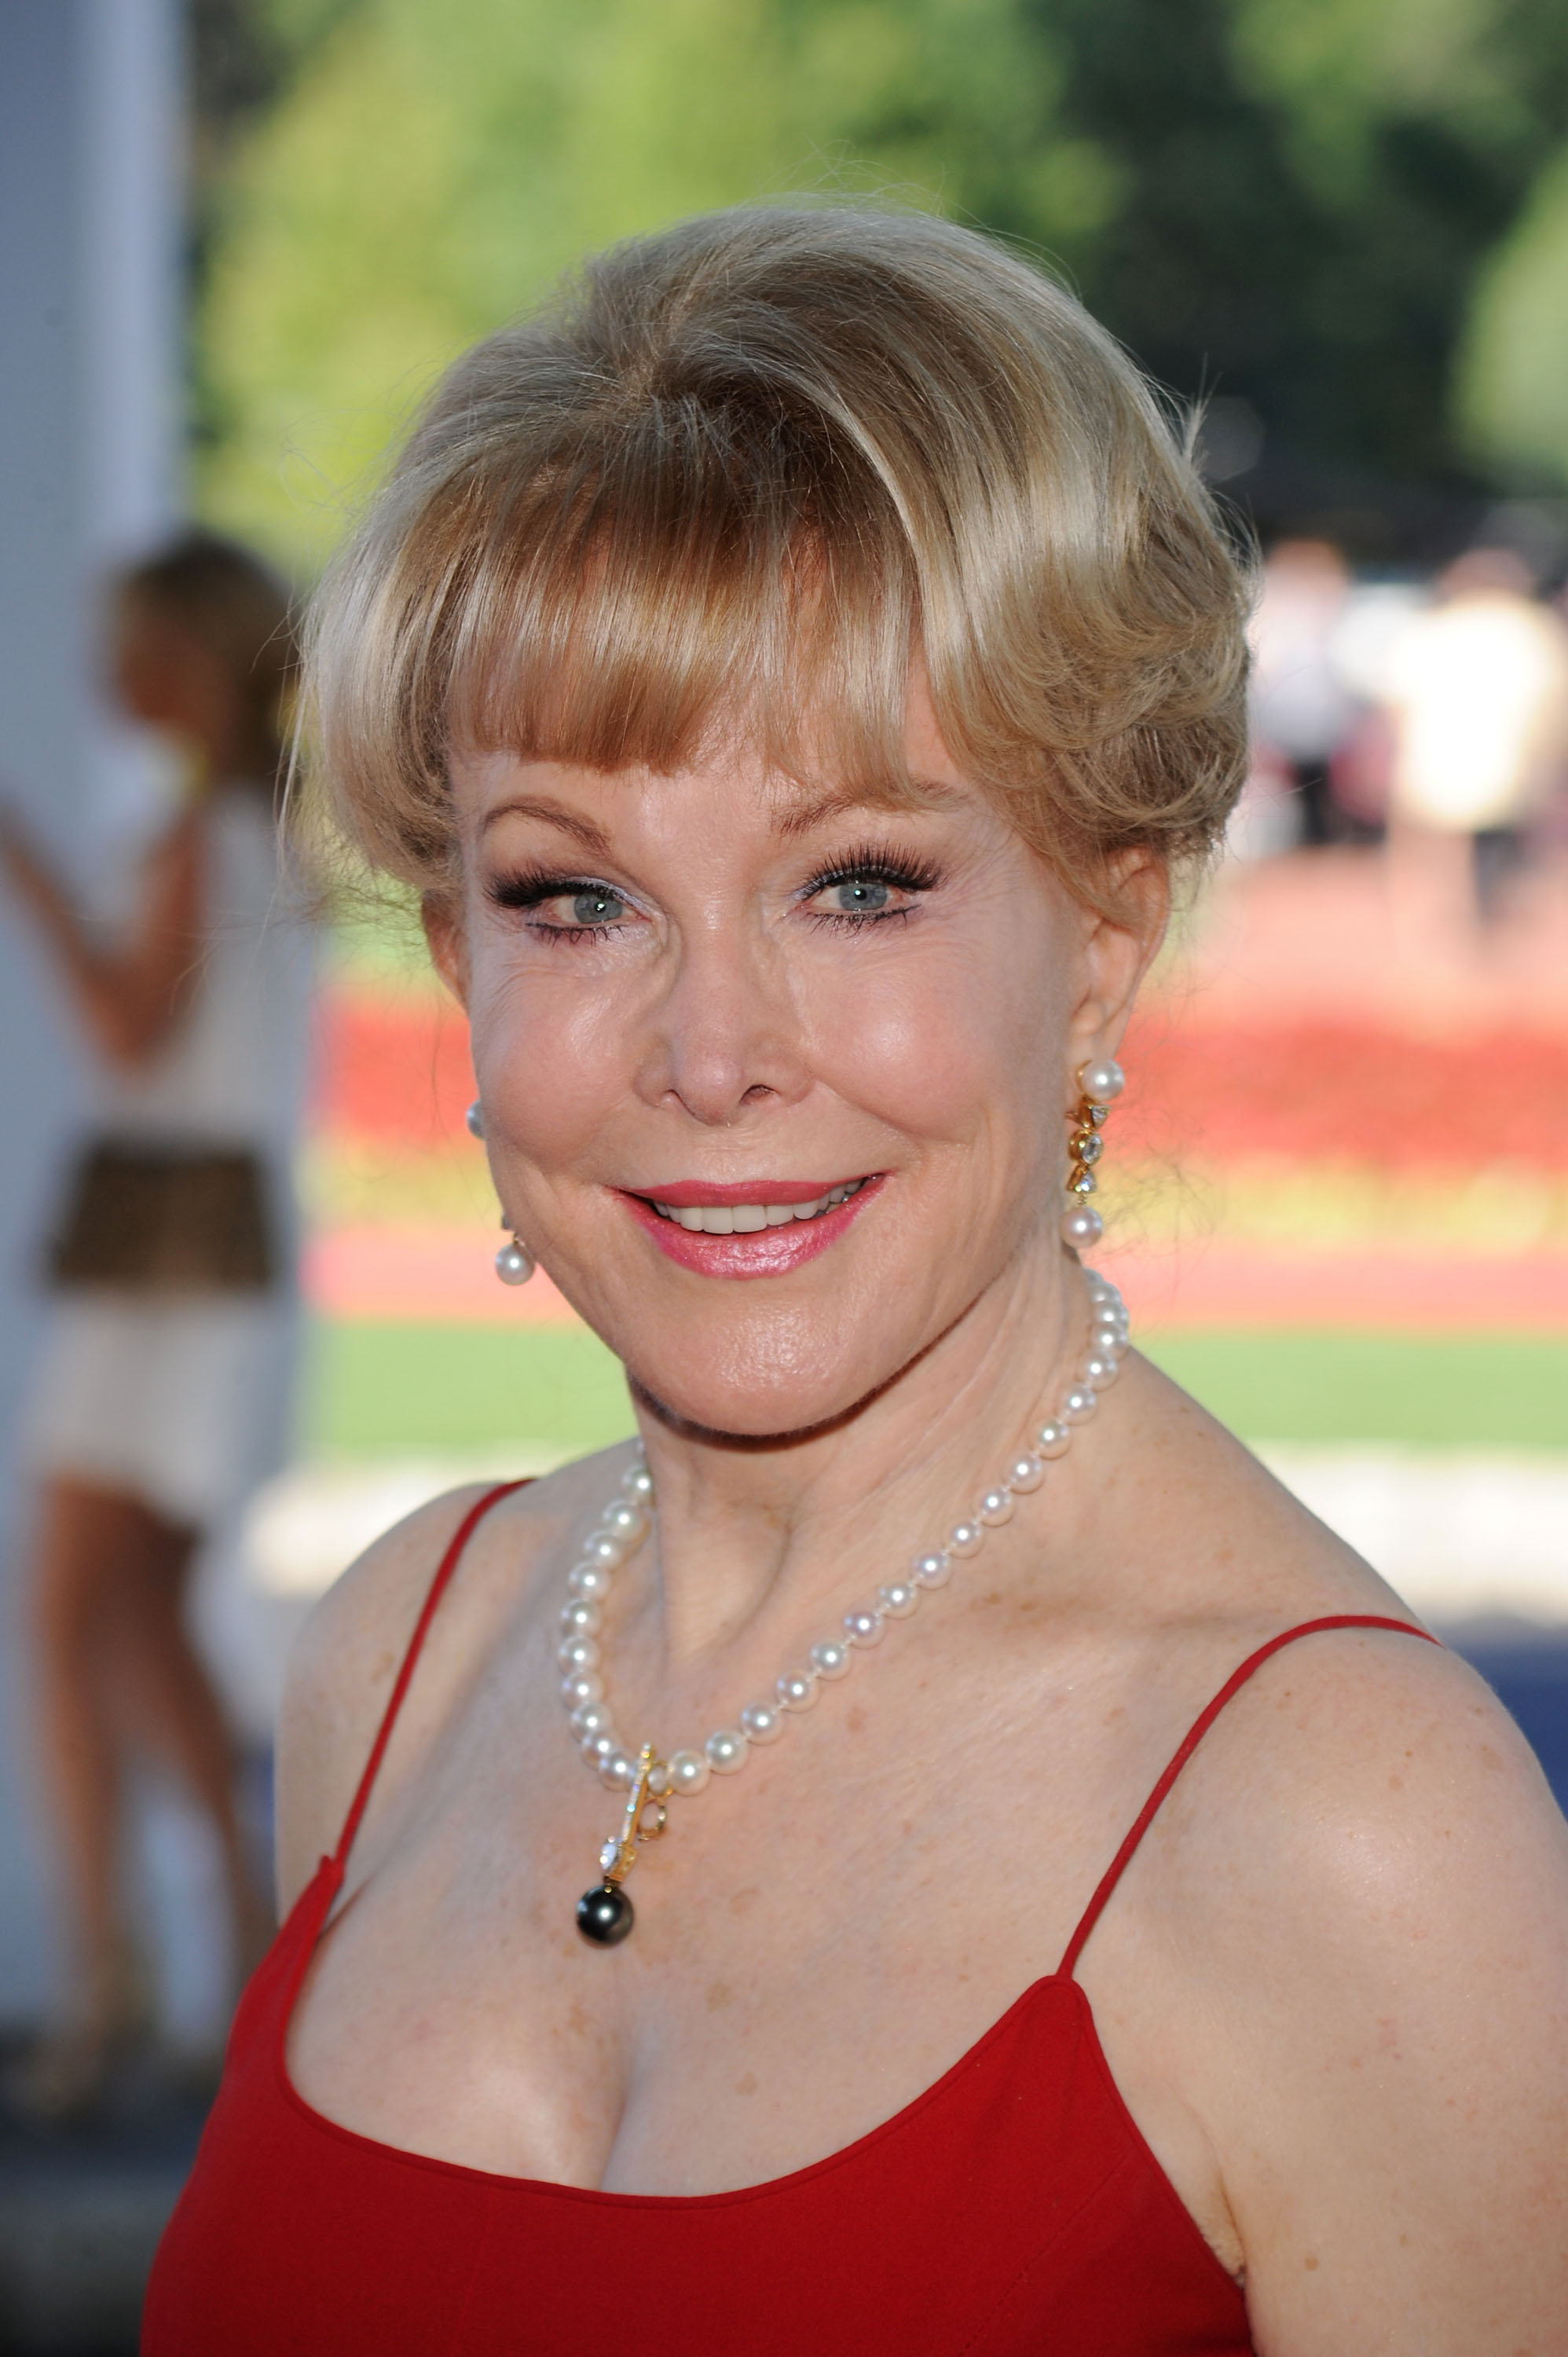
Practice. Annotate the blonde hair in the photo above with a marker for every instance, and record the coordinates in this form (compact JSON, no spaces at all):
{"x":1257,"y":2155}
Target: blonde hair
{"x":738,"y":476}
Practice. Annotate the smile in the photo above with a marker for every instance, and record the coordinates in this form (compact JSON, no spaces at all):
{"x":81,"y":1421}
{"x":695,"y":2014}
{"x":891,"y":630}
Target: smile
{"x":749,"y":1219}
{"x":758,"y":1227}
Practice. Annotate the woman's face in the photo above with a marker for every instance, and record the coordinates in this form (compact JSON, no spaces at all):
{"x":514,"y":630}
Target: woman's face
{"x":775,"y":1084}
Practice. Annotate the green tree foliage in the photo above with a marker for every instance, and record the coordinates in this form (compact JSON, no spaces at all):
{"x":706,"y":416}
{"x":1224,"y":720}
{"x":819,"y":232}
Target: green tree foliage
{"x":1289,"y":200}
{"x":1513,"y":373}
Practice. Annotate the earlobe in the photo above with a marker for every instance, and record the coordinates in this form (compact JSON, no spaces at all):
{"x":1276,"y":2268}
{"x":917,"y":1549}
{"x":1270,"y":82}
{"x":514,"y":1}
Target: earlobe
{"x":446,"y":940}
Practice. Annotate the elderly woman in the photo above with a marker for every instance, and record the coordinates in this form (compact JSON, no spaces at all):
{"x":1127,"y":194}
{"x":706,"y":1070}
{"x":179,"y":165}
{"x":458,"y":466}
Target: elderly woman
{"x":790,"y":669}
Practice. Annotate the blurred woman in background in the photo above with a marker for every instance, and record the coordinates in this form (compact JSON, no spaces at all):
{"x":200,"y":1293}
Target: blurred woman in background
{"x":162,"y":1396}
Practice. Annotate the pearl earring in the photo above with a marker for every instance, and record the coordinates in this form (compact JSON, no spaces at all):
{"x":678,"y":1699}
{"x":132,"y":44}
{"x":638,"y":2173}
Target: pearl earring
{"x":474,"y":1119}
{"x":1099,"y":1084}
{"x":514,"y":1263}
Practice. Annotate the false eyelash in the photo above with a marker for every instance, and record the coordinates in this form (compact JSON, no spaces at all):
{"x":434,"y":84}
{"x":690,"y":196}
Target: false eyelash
{"x":528,"y":888}
{"x":881,"y":861}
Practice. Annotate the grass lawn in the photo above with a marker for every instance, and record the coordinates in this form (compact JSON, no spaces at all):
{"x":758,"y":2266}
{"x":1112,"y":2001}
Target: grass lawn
{"x":375,"y":1388}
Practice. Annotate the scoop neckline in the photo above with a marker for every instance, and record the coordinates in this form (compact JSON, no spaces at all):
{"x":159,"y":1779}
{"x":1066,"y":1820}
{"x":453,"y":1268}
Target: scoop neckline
{"x":324,"y":1883}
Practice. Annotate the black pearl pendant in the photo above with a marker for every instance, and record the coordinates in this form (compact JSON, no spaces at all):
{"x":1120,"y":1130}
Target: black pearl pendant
{"x":605,"y":1915}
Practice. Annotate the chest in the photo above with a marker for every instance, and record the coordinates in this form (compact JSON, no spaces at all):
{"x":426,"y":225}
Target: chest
{"x":816,"y":1942}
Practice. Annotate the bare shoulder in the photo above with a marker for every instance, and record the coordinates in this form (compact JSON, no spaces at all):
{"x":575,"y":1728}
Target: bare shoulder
{"x":1381,"y":1878}
{"x":346,"y":1659}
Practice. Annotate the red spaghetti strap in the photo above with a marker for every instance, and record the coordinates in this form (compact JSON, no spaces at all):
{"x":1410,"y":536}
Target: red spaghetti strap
{"x":445,"y":1569}
{"x":1194,"y":1737}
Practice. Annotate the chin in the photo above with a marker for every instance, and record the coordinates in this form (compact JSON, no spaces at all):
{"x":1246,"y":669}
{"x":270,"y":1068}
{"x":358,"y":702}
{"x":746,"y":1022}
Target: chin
{"x":772,"y":1382}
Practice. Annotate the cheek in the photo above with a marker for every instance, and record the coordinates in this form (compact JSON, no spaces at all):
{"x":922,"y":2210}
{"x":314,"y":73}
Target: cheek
{"x":948,"y":1041}
{"x":549,"y":1059}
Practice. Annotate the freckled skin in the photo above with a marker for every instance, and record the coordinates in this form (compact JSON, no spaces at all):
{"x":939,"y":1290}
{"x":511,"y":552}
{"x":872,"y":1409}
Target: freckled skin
{"x":1339,"y":1865}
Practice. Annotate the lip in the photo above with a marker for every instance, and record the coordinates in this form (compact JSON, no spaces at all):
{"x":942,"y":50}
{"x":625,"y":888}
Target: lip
{"x":770,"y":1251}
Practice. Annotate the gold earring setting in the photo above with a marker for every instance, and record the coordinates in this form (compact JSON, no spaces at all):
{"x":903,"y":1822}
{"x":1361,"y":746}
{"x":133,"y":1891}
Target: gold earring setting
{"x":1099,"y":1084}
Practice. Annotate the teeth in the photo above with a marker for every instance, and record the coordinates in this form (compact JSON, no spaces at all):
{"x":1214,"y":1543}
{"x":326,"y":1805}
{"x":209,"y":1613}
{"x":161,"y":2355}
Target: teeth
{"x":748,"y":1219}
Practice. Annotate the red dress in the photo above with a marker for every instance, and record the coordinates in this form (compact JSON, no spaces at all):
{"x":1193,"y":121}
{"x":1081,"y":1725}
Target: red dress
{"x":1012,"y":2208}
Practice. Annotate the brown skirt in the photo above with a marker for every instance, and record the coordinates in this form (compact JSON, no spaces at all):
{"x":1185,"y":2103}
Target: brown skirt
{"x":146,"y":1218}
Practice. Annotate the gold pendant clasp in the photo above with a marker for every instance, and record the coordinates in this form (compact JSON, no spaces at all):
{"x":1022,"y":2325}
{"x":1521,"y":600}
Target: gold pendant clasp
{"x":618,"y":1855}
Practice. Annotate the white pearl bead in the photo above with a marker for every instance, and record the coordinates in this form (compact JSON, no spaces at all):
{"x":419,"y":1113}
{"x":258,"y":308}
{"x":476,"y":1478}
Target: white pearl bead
{"x":577,"y":1654}
{"x":1102,"y":1083}
{"x":658,"y":1777}
{"x":637,"y":1481}
{"x":864,"y":1628}
{"x":762,"y":1722}
{"x":994,"y":1509}
{"x":606,"y":1548}
{"x":583,"y":1685}
{"x":898,"y":1599}
{"x":965,"y":1539}
{"x":689,"y":1771}
{"x":591,"y":1718}
{"x":580,"y":1619}
{"x":832,"y":1660}
{"x":1025,"y":1473}
{"x":796,"y":1690}
{"x":514,"y":1264}
{"x":618,"y":1771}
{"x":474,"y":1119}
{"x":933,"y":1570}
{"x":1079,"y":1405}
{"x":726,"y":1751}
{"x":1099,"y":1372}
{"x":627,"y":1521}
{"x":590,"y":1580}
{"x":1053,"y":1440}
{"x":1082,"y":1226}
{"x":598,"y":1750}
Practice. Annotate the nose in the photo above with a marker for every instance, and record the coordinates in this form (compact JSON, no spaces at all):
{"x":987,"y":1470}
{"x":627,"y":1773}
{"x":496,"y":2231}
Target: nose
{"x":725,"y":1035}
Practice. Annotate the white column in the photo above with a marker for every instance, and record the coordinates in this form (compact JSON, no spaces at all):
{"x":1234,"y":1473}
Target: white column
{"x":92,"y":164}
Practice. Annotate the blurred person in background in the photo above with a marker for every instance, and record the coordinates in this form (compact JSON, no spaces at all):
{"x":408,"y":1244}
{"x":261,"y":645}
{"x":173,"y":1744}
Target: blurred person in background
{"x":1302,"y":707}
{"x":1477,"y":689}
{"x":162,"y":1396}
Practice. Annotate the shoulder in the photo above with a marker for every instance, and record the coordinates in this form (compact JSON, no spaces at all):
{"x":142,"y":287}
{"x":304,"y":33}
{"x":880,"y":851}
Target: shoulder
{"x":345,"y":1661}
{"x":1381,"y":1904}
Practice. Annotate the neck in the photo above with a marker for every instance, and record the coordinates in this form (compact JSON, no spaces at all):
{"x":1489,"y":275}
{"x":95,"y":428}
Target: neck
{"x":771,"y":1542}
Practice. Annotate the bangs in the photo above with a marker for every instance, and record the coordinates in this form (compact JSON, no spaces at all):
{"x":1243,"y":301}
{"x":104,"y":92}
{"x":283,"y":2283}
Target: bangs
{"x":696,"y":584}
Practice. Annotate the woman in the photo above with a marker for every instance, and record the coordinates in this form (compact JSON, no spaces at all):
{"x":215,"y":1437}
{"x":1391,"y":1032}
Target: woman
{"x":789,"y":669}
{"x":162,"y":1396}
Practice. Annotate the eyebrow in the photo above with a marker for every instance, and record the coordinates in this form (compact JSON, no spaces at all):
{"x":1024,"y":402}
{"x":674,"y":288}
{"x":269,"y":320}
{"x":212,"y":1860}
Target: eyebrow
{"x":802,"y":817}
{"x":581,"y":830}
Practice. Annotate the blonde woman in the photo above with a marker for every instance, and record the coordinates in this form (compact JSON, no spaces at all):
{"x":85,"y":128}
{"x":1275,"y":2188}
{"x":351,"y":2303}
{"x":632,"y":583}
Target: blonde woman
{"x":162,"y":1394}
{"x":928,"y":1848}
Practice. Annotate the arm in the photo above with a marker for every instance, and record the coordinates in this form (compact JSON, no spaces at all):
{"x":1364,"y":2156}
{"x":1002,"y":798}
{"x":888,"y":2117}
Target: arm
{"x":1393,"y":2133}
{"x":129,"y":997}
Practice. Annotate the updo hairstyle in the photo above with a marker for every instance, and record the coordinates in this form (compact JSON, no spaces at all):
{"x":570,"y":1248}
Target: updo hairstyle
{"x":733,"y":479}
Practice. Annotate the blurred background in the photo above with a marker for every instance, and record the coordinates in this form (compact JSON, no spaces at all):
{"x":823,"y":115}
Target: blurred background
{"x":238,"y":241}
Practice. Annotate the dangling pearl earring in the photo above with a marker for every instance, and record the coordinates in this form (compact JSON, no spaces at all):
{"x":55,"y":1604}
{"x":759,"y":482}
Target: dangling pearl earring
{"x":514,"y":1263}
{"x":1099,"y":1085}
{"x":474,"y":1119}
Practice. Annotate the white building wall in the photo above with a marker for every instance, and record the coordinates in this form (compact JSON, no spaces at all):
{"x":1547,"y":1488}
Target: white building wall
{"x":91,"y":159}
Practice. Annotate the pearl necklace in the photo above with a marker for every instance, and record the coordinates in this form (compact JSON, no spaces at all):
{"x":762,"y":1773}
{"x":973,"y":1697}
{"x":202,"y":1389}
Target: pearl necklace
{"x":604,"y":1913}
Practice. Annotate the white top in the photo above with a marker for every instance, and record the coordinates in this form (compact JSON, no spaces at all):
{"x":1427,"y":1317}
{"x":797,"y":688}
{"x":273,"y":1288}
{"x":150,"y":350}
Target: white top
{"x":1480,"y":688}
{"x":233,"y":1071}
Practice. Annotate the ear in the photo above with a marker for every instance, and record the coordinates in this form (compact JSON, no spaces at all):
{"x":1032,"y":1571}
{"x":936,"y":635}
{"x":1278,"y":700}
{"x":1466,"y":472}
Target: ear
{"x":1117,"y":952}
{"x":447,"y":937}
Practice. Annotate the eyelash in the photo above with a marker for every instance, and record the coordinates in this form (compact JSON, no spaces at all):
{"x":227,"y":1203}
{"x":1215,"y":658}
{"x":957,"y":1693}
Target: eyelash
{"x":530,"y":887}
{"x":869,"y":863}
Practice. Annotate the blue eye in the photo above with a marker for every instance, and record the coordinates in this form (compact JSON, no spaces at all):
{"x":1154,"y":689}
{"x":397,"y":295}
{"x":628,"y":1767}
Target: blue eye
{"x":597,"y":907}
{"x":860,"y":894}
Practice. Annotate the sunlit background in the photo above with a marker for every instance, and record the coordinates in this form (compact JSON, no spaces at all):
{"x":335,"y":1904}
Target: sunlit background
{"x":1337,"y":1195}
